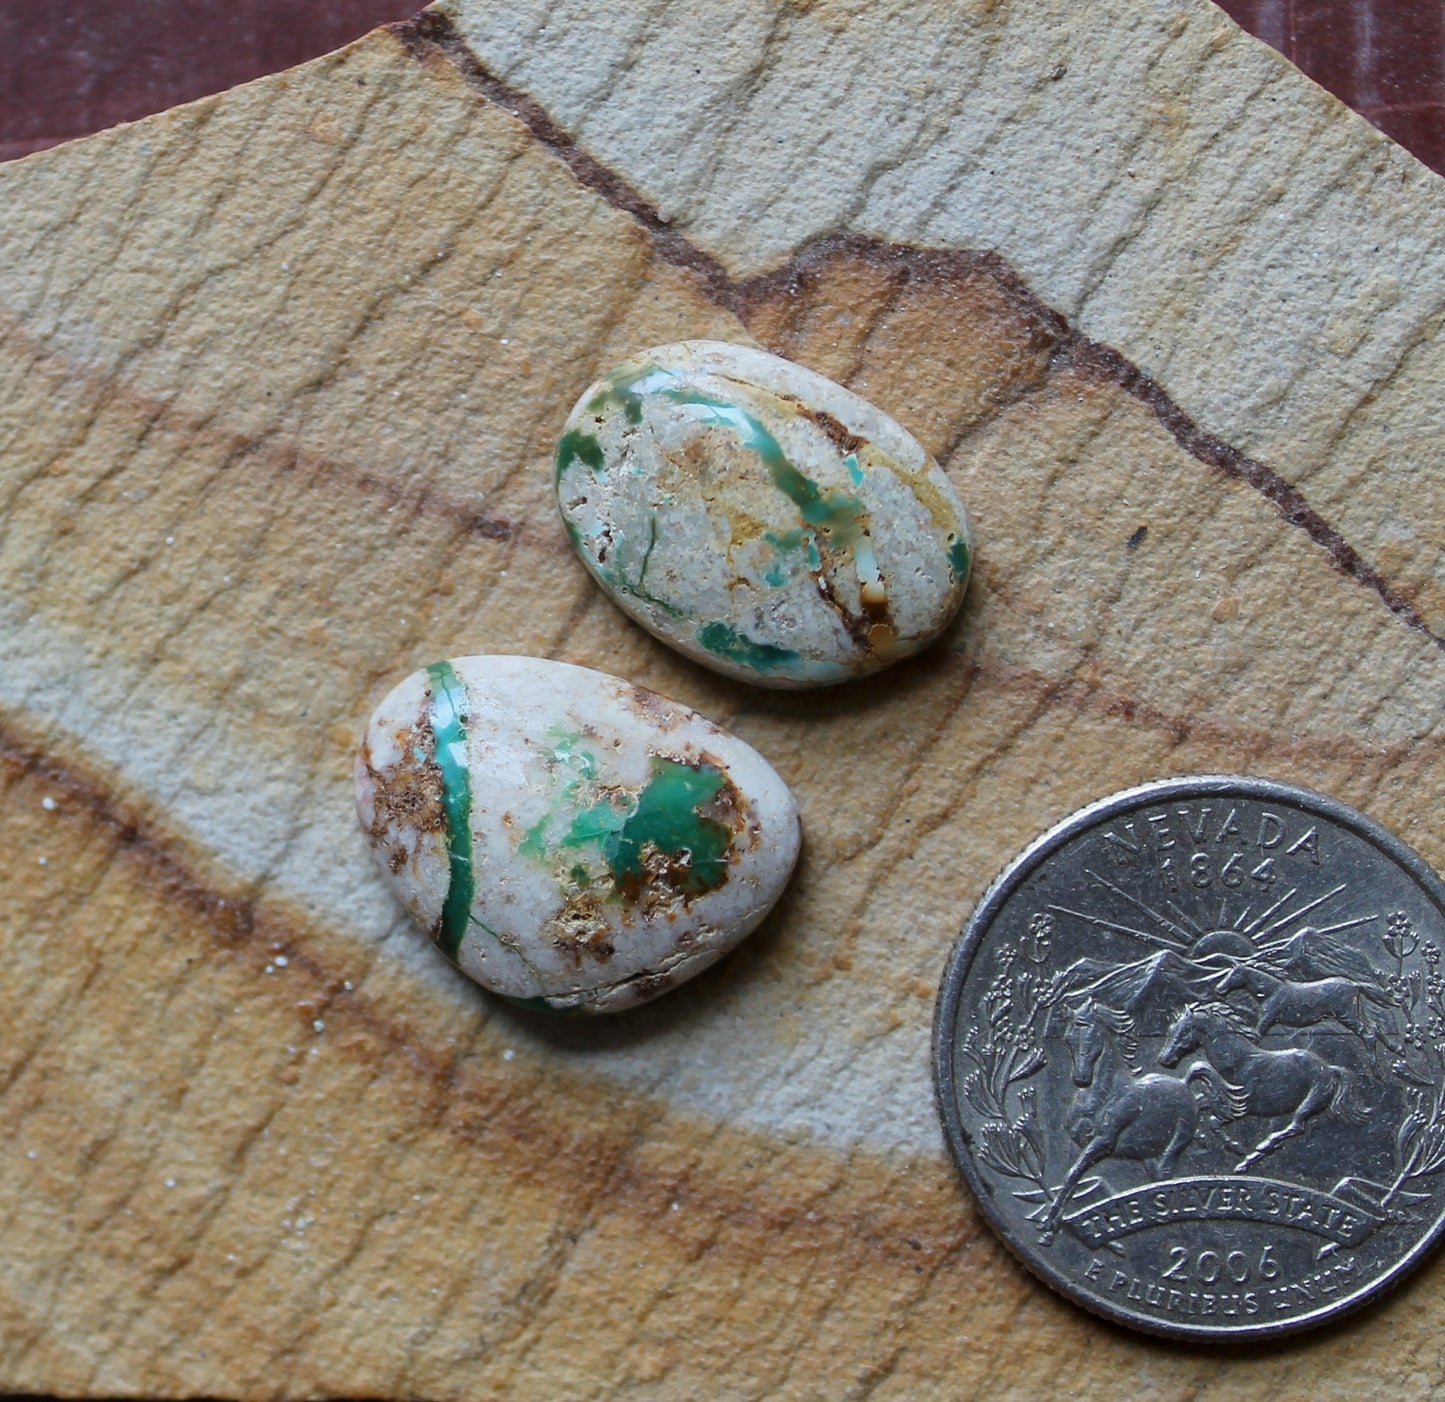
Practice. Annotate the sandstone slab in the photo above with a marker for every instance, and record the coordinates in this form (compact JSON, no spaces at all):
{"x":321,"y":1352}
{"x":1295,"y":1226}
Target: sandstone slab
{"x":280,"y":378}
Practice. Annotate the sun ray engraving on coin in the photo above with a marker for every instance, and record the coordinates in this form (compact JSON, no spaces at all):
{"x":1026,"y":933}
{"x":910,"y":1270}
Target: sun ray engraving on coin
{"x":1189,"y":1057}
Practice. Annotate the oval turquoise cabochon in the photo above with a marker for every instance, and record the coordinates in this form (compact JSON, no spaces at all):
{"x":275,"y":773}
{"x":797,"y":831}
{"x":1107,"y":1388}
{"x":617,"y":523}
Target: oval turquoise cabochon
{"x":760,"y":518}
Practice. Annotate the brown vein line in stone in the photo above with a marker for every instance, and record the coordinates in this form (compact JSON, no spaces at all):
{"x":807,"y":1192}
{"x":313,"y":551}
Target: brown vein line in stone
{"x":1043,"y":334}
{"x":491,"y":1117}
{"x":270,"y":448}
{"x":1090,"y":700}
{"x":433,"y":33}
{"x":1105,"y":363}
{"x":945,"y":266}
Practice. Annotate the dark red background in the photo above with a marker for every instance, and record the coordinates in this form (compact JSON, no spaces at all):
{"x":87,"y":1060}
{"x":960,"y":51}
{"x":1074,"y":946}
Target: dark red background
{"x":1386,"y":58}
{"x":72,"y":67}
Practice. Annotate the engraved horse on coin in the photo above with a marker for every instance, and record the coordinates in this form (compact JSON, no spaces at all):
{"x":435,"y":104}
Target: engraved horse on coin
{"x":1118,"y":1112}
{"x":1307,"y":1003}
{"x":1258,"y":1081}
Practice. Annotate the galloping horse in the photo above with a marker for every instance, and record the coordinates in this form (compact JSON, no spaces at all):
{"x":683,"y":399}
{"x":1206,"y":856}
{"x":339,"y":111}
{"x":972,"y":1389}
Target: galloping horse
{"x":1290,"y":1004}
{"x":1291,"y":1081}
{"x":1117,"y":1112}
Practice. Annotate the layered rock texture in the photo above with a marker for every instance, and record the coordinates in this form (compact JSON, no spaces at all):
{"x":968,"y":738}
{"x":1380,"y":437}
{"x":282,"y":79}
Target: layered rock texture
{"x":280,"y":378}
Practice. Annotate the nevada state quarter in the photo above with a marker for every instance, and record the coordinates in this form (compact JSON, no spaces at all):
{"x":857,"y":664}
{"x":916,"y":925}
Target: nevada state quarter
{"x":1190,"y":1057}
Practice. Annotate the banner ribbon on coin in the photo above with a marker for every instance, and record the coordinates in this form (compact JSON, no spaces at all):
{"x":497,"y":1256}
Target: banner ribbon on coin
{"x":1240,"y":1199}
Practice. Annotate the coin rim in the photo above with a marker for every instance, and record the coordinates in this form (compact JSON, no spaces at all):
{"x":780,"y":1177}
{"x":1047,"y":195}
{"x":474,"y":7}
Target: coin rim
{"x":970,"y":941}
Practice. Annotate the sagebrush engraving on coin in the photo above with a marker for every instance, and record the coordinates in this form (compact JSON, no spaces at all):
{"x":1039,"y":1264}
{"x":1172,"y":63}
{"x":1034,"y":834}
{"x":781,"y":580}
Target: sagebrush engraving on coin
{"x":1189,"y":1057}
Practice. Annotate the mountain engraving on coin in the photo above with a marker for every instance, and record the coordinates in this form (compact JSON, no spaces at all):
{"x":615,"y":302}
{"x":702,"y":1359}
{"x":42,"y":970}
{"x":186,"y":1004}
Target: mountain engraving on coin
{"x":1190,"y":1056}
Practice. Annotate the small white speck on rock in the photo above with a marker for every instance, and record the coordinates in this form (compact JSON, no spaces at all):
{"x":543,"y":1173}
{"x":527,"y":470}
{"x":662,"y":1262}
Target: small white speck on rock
{"x":49,"y":804}
{"x":318,"y":1026}
{"x":281,"y":961}
{"x":508,"y":1054}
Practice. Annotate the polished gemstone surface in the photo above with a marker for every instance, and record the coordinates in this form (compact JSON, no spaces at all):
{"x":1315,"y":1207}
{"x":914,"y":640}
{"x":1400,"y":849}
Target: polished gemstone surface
{"x":569,"y":840}
{"x":760,"y":518}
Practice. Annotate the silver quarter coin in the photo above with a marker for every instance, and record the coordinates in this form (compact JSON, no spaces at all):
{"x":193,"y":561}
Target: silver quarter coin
{"x":1190,"y":1057}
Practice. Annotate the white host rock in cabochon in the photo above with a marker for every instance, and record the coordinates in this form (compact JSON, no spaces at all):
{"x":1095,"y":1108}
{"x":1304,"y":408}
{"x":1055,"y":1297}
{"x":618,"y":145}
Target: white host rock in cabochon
{"x":571,"y":841}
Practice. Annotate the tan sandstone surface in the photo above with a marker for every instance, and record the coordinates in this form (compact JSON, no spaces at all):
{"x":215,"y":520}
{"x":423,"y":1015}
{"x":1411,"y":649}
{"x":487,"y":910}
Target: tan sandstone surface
{"x":279,"y":377}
